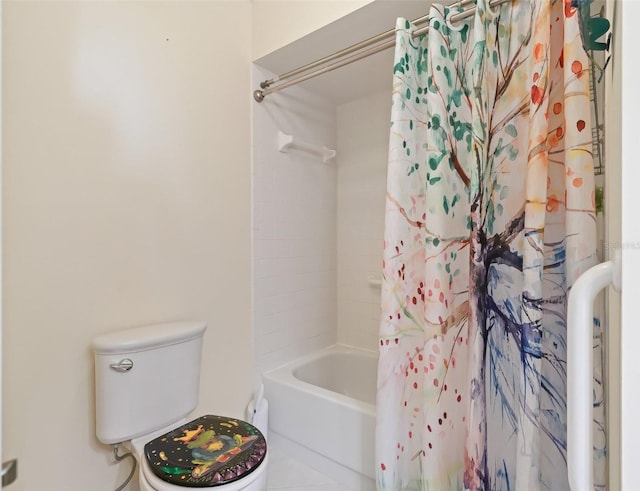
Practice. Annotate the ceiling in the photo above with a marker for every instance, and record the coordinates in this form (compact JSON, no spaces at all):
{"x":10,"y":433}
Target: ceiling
{"x":364,"y":77}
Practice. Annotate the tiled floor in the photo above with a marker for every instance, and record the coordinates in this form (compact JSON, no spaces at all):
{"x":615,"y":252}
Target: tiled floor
{"x":286,"y":473}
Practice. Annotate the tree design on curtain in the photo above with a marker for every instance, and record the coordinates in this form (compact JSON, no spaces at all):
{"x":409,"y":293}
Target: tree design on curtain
{"x":490,"y":218}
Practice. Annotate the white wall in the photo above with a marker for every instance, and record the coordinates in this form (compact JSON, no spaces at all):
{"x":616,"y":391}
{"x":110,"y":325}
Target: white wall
{"x":630,"y":334}
{"x":613,"y":213}
{"x":126,"y":201}
{"x":294,"y":235}
{"x":302,"y":239}
{"x":363,"y":146}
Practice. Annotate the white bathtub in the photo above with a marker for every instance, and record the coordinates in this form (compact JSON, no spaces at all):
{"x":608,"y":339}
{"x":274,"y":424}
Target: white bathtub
{"x":322,"y":411}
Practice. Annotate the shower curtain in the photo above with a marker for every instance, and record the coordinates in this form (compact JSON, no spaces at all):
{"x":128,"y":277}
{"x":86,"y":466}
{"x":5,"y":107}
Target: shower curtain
{"x":489,"y":220}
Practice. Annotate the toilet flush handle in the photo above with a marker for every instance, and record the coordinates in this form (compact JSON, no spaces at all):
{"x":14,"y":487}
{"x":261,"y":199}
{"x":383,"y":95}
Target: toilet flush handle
{"x":123,"y":365}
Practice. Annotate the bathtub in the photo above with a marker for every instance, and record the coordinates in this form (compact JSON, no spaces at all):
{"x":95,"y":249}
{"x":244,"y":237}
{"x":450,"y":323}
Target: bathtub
{"x":322,"y":412}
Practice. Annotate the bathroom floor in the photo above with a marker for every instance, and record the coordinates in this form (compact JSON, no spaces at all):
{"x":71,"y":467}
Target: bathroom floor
{"x":286,"y":473}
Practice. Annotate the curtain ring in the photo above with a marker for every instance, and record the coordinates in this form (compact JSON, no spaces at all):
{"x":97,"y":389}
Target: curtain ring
{"x":487,"y":8}
{"x":447,"y":19}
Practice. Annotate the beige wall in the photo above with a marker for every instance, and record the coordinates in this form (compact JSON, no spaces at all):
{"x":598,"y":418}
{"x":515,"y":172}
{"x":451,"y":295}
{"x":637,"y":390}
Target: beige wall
{"x":277,"y":23}
{"x":126,"y":201}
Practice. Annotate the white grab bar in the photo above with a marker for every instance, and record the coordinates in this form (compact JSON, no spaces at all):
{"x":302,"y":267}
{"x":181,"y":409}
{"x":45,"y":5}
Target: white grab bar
{"x":580,"y":370}
{"x":285,"y":142}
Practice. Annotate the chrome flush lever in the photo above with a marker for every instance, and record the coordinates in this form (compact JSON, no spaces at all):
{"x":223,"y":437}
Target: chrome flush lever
{"x":9,"y":472}
{"x":123,"y":365}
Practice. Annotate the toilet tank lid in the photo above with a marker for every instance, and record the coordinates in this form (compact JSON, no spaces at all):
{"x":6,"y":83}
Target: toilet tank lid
{"x":147,"y":337}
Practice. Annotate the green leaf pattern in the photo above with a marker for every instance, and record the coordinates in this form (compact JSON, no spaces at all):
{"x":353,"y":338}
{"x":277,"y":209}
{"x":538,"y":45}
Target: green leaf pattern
{"x":490,"y":219}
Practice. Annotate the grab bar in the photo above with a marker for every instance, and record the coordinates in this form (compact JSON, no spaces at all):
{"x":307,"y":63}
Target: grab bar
{"x":580,"y":370}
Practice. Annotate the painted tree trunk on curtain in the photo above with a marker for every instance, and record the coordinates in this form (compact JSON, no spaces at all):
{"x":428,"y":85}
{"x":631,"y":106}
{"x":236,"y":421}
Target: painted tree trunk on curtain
{"x":489,"y":220}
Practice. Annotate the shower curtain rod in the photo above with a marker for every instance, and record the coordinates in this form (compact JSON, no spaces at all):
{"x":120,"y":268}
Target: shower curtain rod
{"x":267,"y":87}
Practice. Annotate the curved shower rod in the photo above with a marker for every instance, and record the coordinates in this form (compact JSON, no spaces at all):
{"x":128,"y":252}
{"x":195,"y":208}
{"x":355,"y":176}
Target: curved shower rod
{"x":357,"y":52}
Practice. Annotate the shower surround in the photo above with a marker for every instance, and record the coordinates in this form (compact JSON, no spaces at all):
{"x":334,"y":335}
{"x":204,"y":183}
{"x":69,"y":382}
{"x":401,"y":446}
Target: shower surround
{"x":317,"y":228}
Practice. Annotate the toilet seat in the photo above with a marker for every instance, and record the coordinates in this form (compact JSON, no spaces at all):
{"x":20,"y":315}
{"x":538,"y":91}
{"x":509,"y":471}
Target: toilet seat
{"x":158,"y":484}
{"x":249,"y":480}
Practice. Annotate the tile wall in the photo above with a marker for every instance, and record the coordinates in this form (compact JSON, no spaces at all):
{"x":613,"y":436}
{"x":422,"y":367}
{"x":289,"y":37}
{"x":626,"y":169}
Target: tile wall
{"x":294,"y":234}
{"x":363,"y":141}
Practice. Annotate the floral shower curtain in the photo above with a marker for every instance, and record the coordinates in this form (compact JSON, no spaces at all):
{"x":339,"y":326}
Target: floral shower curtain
{"x":489,"y":220}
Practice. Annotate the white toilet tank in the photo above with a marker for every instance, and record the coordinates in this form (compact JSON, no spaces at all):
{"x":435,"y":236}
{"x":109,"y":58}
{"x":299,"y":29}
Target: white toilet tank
{"x":146,"y":378}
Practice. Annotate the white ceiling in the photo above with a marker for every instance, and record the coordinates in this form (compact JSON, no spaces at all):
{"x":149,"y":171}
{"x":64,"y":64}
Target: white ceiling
{"x":358,"y":79}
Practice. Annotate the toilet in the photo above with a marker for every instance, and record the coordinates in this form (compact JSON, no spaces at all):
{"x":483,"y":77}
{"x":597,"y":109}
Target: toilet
{"x":147,"y":380}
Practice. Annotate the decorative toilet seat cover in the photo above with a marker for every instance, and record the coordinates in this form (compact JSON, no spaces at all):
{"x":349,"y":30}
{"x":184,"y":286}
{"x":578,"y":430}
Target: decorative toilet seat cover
{"x":208,"y":451}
